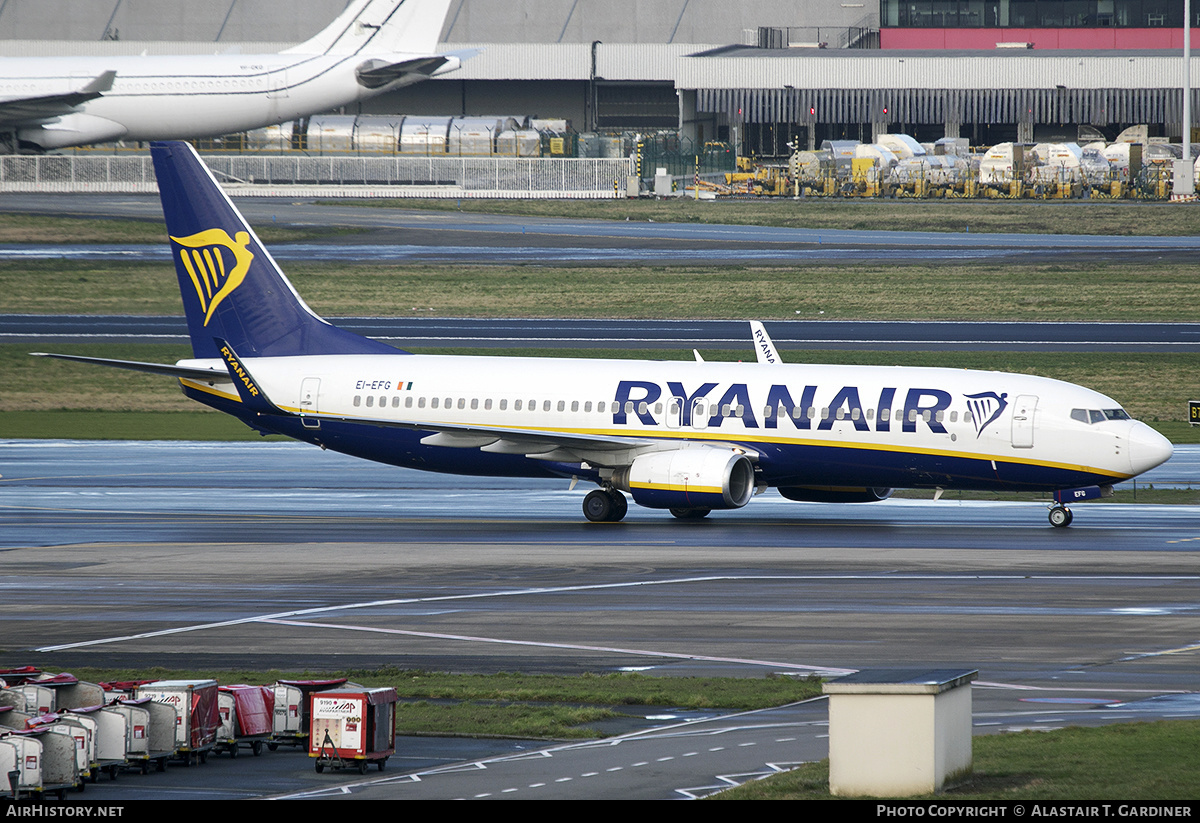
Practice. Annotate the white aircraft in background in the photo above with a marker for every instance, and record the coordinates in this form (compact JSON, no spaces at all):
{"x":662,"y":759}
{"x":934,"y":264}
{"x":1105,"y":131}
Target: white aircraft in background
{"x":373,"y":47}
{"x":685,"y":436}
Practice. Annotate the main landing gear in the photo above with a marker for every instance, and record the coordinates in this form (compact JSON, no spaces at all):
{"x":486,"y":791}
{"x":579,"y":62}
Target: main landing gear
{"x":1060,"y":517}
{"x":605,"y":506}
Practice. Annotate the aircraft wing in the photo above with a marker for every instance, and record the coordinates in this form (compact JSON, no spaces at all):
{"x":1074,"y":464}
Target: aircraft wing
{"x":32,"y":110}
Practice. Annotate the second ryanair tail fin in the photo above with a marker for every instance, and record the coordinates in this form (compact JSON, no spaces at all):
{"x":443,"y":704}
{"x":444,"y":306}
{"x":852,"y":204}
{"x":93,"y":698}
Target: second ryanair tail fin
{"x":232,"y":289}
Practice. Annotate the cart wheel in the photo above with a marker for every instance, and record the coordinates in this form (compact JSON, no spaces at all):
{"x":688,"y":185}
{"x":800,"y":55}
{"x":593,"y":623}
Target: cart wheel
{"x":319,"y":766}
{"x":382,"y":763}
{"x":272,"y":746}
{"x":162,"y":764}
{"x":233,"y":750}
{"x":112,"y":772}
{"x":146,"y":767}
{"x":95,"y":775}
{"x":257,"y":747}
{"x":362,"y":767}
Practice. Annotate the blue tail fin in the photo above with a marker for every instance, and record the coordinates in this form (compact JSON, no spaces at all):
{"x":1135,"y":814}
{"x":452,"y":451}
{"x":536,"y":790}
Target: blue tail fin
{"x":231,"y":287}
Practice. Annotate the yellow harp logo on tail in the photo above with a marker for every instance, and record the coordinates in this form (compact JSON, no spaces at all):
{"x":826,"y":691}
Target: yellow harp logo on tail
{"x":217,"y":264}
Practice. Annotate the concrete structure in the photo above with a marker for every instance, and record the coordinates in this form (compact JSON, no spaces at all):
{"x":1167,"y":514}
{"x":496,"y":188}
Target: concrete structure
{"x":899,"y":732}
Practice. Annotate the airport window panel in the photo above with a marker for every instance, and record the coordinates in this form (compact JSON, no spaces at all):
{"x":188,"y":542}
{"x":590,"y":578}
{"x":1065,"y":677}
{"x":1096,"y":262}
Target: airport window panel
{"x":518,"y":405}
{"x":562,"y":405}
{"x":532,"y":405}
{"x":408,"y":402}
{"x":574,"y":405}
{"x":545,"y":405}
{"x":370,"y":400}
{"x":396,"y":402}
{"x":433,"y":403}
{"x":600,"y":406}
{"x":1081,"y":415}
{"x":629,"y":407}
{"x":420,"y":402}
{"x":357,"y":400}
{"x":642,"y":407}
{"x":449,"y":402}
{"x":967,"y":416}
{"x":885,"y":414}
{"x":504,"y":404}
{"x":487,"y":404}
{"x":382,"y":402}
{"x":474,"y":403}
{"x":587,"y":406}
{"x":1022,"y":13}
{"x":953,"y":417}
{"x":870,"y":414}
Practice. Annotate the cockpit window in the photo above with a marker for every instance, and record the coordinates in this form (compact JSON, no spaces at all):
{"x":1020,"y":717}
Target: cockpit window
{"x":1091,"y":416}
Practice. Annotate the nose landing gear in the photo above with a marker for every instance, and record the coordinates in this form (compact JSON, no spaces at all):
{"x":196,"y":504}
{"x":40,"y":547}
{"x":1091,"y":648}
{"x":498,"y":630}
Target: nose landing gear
{"x":1060,"y":517}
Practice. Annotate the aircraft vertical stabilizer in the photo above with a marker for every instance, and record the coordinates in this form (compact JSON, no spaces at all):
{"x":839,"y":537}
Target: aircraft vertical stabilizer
{"x":409,"y":26}
{"x":231,"y":287}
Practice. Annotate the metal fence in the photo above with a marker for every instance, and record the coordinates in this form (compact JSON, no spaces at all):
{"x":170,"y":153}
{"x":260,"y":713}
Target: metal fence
{"x":582,"y":178}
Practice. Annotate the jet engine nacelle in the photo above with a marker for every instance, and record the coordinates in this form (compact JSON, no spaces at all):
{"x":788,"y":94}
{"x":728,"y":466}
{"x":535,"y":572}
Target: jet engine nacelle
{"x":73,"y":130}
{"x":834,"y":494}
{"x":689,"y":478}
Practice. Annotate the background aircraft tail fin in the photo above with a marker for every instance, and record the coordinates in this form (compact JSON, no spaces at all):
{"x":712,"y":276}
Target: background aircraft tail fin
{"x":409,"y":26}
{"x":231,"y":287}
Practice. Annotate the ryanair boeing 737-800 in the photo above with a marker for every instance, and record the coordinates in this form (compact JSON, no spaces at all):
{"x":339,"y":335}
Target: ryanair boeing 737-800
{"x":373,"y":47}
{"x":685,"y":436}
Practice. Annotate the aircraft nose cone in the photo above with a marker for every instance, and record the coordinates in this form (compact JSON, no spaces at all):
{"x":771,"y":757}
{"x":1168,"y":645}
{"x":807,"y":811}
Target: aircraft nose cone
{"x":1147,"y":448}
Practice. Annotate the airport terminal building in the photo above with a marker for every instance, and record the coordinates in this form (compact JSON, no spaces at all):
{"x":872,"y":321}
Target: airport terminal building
{"x":761,"y":73}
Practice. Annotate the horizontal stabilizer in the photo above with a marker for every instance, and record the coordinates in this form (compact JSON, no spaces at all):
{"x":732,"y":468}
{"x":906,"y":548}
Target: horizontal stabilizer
{"x":190,"y":372}
{"x":375,"y":74}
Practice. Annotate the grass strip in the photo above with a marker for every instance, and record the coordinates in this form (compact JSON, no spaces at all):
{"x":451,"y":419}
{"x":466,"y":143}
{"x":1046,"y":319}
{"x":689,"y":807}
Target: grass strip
{"x":1082,"y":217}
{"x":1126,"y":762}
{"x":1065,"y":290}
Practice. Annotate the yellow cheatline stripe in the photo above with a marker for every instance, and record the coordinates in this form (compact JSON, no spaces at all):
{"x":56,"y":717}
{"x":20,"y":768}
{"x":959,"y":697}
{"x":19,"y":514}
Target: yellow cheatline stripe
{"x":681,"y":434}
{"x":667,"y":487}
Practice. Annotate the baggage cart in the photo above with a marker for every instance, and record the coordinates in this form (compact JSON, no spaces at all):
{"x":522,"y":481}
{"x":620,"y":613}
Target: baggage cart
{"x":152,"y":733}
{"x":246,"y":714}
{"x":82,"y":737}
{"x":290,"y":719}
{"x":195,"y":704}
{"x":51,"y":762}
{"x":110,"y":735}
{"x":352,"y":727}
{"x":21,"y":764}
